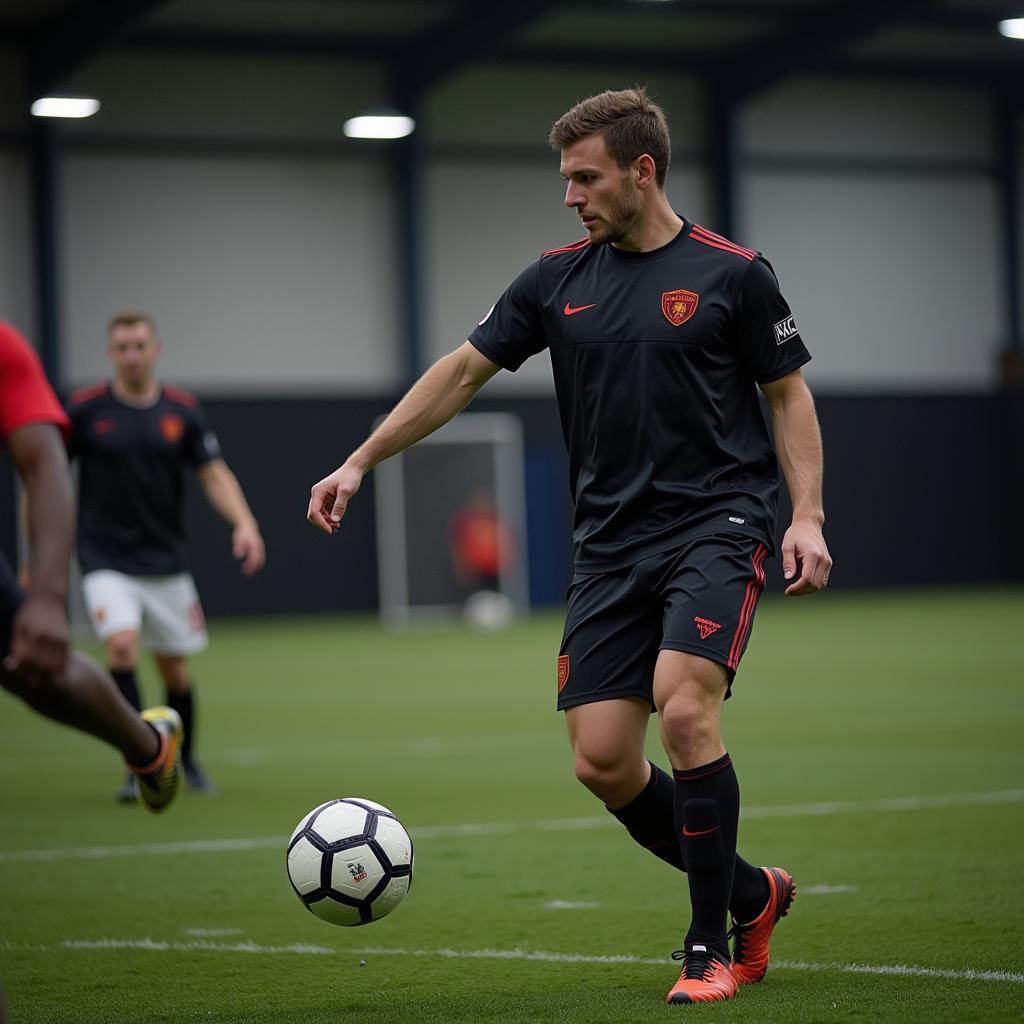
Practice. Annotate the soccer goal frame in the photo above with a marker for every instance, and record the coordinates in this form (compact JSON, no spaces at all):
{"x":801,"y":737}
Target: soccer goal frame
{"x":503,"y":432}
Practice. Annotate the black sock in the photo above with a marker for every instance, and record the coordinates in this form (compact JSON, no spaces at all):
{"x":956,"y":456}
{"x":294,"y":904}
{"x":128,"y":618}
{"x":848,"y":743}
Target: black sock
{"x":185,"y":704}
{"x":649,"y":818}
{"x":126,"y":683}
{"x":707,"y":807}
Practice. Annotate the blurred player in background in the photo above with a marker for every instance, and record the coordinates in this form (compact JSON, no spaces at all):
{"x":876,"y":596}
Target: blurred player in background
{"x":35,"y":661}
{"x":660,"y":334}
{"x":134,"y":438}
{"x":482,"y":548}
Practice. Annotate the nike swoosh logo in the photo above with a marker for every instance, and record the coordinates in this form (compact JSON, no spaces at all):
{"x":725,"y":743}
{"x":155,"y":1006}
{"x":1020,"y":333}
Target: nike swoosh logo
{"x":702,"y":832}
{"x":570,"y":310}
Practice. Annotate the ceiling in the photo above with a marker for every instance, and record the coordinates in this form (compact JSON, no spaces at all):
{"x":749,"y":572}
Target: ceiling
{"x":740,"y":46}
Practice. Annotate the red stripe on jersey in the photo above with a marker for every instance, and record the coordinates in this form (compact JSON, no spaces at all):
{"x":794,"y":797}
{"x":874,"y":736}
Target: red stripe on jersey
{"x":725,"y":246}
{"x":754,"y":588}
{"x":570,"y":247}
{"x":179,"y":396}
{"x":84,"y":394}
{"x":713,"y":236}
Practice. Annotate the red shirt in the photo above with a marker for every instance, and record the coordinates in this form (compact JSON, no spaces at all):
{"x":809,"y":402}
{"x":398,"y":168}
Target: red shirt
{"x":25,"y":394}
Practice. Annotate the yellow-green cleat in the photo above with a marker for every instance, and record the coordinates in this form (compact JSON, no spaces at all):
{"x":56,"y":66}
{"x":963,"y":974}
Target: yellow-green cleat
{"x":160,"y":780}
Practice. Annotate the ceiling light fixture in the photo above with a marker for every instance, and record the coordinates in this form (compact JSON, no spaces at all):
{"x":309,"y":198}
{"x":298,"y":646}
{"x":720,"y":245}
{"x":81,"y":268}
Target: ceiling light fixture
{"x":1012,"y":28}
{"x":379,"y":126}
{"x":65,"y":106}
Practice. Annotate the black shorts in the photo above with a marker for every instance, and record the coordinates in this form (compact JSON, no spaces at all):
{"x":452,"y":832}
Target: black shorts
{"x":699,"y":598}
{"x":10,"y":601}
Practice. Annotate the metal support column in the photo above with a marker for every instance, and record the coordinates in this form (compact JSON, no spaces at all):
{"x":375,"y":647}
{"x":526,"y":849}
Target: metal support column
{"x":719,"y":133}
{"x":1008,"y":170}
{"x":44,"y":171}
{"x":409,"y":174}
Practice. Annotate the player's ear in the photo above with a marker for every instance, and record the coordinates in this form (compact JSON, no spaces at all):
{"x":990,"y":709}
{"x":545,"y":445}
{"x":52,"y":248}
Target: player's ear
{"x":644,"y":171}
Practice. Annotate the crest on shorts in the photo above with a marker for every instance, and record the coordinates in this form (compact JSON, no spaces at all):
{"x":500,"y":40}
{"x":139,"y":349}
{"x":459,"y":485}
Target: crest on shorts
{"x":706,"y":626}
{"x":679,"y":306}
{"x":172,"y":427}
{"x":563,"y":671}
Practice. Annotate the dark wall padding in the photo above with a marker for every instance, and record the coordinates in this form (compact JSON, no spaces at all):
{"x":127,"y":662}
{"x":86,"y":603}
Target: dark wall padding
{"x":919,"y":490}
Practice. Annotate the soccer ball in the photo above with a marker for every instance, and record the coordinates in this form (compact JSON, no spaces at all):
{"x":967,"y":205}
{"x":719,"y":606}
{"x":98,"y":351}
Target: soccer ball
{"x":350,"y":861}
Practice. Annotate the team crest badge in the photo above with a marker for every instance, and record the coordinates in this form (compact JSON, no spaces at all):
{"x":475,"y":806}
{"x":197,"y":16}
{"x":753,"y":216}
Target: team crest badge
{"x":679,"y":306}
{"x":172,"y":427}
{"x":563,"y":671}
{"x":357,"y":870}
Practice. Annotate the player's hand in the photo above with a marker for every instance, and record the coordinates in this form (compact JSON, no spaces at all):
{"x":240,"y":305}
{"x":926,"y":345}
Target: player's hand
{"x":805,"y":559}
{"x":247,"y":546}
{"x":329,"y":498}
{"x":39,"y":638}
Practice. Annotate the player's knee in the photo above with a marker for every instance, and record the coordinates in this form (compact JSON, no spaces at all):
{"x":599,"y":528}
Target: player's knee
{"x":687,"y":721}
{"x":600,"y":772}
{"x":174,"y":672}
{"x":122,"y":651}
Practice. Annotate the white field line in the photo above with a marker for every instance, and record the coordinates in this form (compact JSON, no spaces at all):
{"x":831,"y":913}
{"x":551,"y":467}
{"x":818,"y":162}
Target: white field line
{"x":891,"y":804}
{"x":305,"y":949}
{"x":823,"y":889}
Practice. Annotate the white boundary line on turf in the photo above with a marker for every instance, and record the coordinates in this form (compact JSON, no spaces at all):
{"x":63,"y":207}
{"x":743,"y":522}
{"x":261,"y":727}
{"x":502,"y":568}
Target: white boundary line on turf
{"x":890,"y":804}
{"x":149,"y":945}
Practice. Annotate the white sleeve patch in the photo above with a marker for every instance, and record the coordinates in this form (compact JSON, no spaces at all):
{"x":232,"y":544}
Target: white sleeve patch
{"x":784,"y":330}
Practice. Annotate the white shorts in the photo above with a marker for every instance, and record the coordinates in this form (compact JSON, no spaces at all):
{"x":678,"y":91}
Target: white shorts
{"x":166,"y":608}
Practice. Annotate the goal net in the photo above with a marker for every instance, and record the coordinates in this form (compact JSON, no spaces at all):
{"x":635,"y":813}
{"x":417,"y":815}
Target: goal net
{"x":451,"y":524}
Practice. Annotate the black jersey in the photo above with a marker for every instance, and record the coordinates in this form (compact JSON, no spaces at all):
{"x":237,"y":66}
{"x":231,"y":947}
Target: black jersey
{"x":656,"y":357}
{"x":132,"y":478}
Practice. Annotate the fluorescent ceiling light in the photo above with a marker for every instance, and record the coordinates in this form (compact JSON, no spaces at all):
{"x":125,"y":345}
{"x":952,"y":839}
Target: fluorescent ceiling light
{"x":1012,"y":28}
{"x":379,"y":126}
{"x":65,"y":106}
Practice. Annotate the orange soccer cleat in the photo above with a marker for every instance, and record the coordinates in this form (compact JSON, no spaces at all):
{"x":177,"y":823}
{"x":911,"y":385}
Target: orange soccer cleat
{"x":705,"y":978}
{"x":750,"y":941}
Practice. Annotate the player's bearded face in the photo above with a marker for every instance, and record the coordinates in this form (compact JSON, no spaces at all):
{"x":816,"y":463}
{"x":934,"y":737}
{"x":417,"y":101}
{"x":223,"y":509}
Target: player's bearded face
{"x":619,"y":215}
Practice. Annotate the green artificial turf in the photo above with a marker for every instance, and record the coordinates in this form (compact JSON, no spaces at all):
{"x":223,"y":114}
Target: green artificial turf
{"x":844,"y":703}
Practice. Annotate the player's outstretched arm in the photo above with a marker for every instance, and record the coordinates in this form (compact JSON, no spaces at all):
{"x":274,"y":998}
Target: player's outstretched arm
{"x":39,"y":635}
{"x":806,"y":562}
{"x":444,"y":390}
{"x":225,"y":494}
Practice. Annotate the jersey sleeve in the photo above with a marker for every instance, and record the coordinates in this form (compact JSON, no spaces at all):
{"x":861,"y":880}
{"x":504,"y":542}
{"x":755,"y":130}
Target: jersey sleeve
{"x":764,"y":329}
{"x":25,"y":394}
{"x":512,"y":331}
{"x":201,"y":444}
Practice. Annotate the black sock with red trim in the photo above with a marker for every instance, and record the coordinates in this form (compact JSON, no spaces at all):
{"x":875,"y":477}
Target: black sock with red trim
{"x":707,"y":809}
{"x":649,"y":818}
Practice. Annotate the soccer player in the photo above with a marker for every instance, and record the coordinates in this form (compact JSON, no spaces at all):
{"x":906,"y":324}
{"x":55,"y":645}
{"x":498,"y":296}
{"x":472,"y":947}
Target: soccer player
{"x":660,"y":333}
{"x":35,"y":662}
{"x":134,"y":438}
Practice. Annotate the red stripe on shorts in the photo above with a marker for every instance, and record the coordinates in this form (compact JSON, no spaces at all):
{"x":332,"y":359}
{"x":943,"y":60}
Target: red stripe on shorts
{"x":754,"y":588}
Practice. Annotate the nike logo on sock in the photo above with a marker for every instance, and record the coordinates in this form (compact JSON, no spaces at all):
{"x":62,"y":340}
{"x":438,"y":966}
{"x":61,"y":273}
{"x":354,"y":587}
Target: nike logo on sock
{"x":701,"y":832}
{"x":569,"y":309}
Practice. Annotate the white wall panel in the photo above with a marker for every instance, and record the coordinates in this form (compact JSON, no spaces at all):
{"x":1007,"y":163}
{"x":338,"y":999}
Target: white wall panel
{"x":829,"y":117}
{"x":894,"y":283}
{"x":262,"y":275}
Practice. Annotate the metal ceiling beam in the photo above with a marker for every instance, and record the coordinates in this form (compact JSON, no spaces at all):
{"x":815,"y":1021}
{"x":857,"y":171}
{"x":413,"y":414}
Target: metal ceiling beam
{"x":931,"y":16}
{"x":62,"y":44}
{"x":473,"y":31}
{"x":808,"y":42}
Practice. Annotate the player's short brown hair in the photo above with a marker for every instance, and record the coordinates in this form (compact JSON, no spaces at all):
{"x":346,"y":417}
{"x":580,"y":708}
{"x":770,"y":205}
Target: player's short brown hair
{"x":632,"y":124}
{"x":127,"y":317}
